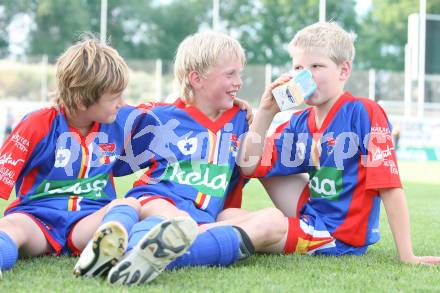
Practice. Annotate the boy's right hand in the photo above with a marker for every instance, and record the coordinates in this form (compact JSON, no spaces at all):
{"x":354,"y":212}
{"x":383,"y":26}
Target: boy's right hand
{"x":424,"y":260}
{"x":268,"y":102}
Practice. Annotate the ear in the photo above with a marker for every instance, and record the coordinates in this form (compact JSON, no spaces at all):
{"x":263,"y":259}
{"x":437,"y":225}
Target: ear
{"x":345,"y":70}
{"x":80,"y":105}
{"x":195,"y":79}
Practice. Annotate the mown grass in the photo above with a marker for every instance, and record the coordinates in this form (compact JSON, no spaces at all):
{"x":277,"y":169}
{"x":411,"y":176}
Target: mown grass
{"x":379,"y":270}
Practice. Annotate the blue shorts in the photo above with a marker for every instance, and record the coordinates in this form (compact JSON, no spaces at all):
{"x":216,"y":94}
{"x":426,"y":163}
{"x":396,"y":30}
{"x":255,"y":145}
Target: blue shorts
{"x":56,"y":225}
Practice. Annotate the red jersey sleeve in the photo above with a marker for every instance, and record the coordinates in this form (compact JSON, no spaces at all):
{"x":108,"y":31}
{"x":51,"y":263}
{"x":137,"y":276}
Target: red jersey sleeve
{"x":379,"y":156}
{"x":18,"y":147}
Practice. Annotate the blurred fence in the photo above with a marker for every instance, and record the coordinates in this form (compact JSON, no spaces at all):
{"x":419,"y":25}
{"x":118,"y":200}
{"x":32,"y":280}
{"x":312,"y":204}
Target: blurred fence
{"x":32,"y":83}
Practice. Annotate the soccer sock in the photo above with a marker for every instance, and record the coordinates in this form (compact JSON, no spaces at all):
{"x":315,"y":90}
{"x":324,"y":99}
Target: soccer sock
{"x":124,"y":214}
{"x":140,"y":229}
{"x":218,"y":246}
{"x":8,"y":251}
{"x":246,"y":246}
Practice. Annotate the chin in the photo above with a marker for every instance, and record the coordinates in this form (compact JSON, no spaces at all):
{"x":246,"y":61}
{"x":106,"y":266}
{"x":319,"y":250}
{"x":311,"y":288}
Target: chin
{"x":109,"y":119}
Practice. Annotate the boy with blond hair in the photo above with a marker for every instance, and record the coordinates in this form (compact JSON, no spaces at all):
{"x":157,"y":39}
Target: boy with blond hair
{"x":60,"y":160}
{"x":344,"y":144}
{"x":193,"y":175}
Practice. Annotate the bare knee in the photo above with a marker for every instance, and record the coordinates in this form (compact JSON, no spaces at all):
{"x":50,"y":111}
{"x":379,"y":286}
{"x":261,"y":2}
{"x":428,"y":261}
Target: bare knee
{"x":273,"y":223}
{"x":229,"y":214}
{"x":162,"y":208}
{"x":20,"y":228}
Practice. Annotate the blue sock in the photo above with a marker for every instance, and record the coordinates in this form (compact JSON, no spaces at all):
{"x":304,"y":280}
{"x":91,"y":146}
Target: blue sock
{"x":124,"y":214}
{"x":218,"y":246}
{"x":8,"y":251}
{"x":140,"y":229}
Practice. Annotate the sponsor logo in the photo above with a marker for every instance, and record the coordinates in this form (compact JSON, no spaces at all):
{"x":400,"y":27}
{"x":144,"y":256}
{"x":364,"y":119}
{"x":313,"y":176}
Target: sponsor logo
{"x":20,"y":142}
{"x":206,"y":178}
{"x":107,"y":152}
{"x":392,"y":165}
{"x":7,"y":176}
{"x":91,"y":188}
{"x":187,"y":146}
{"x":381,"y":155}
{"x":7,"y":159}
{"x":62,"y":157}
{"x":326,"y":183}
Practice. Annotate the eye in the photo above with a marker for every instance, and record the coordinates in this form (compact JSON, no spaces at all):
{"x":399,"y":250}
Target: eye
{"x":297,"y":67}
{"x":316,"y":66}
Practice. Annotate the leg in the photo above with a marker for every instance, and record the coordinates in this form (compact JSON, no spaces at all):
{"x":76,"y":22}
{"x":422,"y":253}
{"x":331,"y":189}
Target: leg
{"x":85,"y":229}
{"x":266,"y":228}
{"x":160,"y":207}
{"x":285,"y":191}
{"x":109,"y":240}
{"x":19,"y":231}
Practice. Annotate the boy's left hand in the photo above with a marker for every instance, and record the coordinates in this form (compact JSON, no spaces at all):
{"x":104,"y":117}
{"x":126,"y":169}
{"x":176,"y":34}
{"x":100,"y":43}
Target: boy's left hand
{"x":244,"y":105}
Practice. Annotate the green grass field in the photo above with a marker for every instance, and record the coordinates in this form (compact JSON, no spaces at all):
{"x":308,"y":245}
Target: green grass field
{"x":379,"y":270}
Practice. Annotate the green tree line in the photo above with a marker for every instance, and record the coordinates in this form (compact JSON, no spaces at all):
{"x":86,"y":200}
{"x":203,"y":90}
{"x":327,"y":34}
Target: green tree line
{"x":150,"y":29}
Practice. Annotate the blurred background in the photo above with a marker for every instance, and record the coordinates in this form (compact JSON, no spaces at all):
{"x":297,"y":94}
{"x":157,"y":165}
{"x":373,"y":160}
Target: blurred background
{"x":397,"y":59}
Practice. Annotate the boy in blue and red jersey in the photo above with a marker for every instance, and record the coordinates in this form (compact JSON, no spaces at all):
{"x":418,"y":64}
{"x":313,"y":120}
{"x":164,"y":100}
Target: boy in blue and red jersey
{"x":344,"y":144}
{"x":190,"y":147}
{"x":60,"y":160}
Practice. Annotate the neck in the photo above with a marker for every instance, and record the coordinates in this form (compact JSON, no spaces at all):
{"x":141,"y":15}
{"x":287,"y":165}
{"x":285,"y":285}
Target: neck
{"x":322,"y":110}
{"x":210,"y":112}
{"x":82,"y":124}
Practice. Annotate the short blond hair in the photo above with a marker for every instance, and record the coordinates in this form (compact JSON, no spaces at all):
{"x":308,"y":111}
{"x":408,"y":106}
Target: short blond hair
{"x":200,"y":52}
{"x":87,"y":70}
{"x":328,"y":37}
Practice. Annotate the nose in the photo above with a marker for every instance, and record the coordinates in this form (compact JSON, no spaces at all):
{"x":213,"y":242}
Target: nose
{"x":238,"y":81}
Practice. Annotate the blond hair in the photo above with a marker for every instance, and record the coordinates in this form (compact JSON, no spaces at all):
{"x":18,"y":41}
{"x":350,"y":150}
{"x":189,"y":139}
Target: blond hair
{"x":328,"y":37}
{"x":87,"y":70}
{"x":200,"y":52}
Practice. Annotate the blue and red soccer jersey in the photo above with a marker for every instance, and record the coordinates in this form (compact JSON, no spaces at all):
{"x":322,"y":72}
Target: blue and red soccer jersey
{"x":191,"y":159}
{"x":55,"y":170}
{"x":349,"y":158}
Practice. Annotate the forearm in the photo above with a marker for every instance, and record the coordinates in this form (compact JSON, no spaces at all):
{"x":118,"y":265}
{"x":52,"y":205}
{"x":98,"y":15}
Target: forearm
{"x":398,"y":218}
{"x":253,"y":144}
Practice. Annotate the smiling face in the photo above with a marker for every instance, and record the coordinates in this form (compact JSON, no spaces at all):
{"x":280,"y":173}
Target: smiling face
{"x":329,"y":76}
{"x":217,"y":89}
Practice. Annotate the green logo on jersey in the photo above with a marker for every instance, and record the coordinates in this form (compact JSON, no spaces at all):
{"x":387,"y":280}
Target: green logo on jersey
{"x":91,"y":188}
{"x":206,"y":178}
{"x":326,"y":183}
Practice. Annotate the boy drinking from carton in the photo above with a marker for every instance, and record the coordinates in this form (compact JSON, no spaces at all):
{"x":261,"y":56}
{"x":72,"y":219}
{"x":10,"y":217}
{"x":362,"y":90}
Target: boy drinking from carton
{"x":343,"y":143}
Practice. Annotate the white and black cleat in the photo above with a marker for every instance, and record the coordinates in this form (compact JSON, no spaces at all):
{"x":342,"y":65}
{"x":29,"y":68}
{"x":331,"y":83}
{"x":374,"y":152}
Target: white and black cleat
{"x":103,"y":251}
{"x":160,"y":246}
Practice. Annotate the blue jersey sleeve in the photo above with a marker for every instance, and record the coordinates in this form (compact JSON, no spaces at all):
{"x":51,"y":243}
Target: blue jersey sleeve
{"x":286,"y":151}
{"x":137,"y":152}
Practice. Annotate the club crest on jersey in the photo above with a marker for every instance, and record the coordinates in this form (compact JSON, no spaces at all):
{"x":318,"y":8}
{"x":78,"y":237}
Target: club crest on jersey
{"x":187,"y":146}
{"x":330,"y":145}
{"x":108,"y":154}
{"x":235,"y":144}
{"x":62,"y":157}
